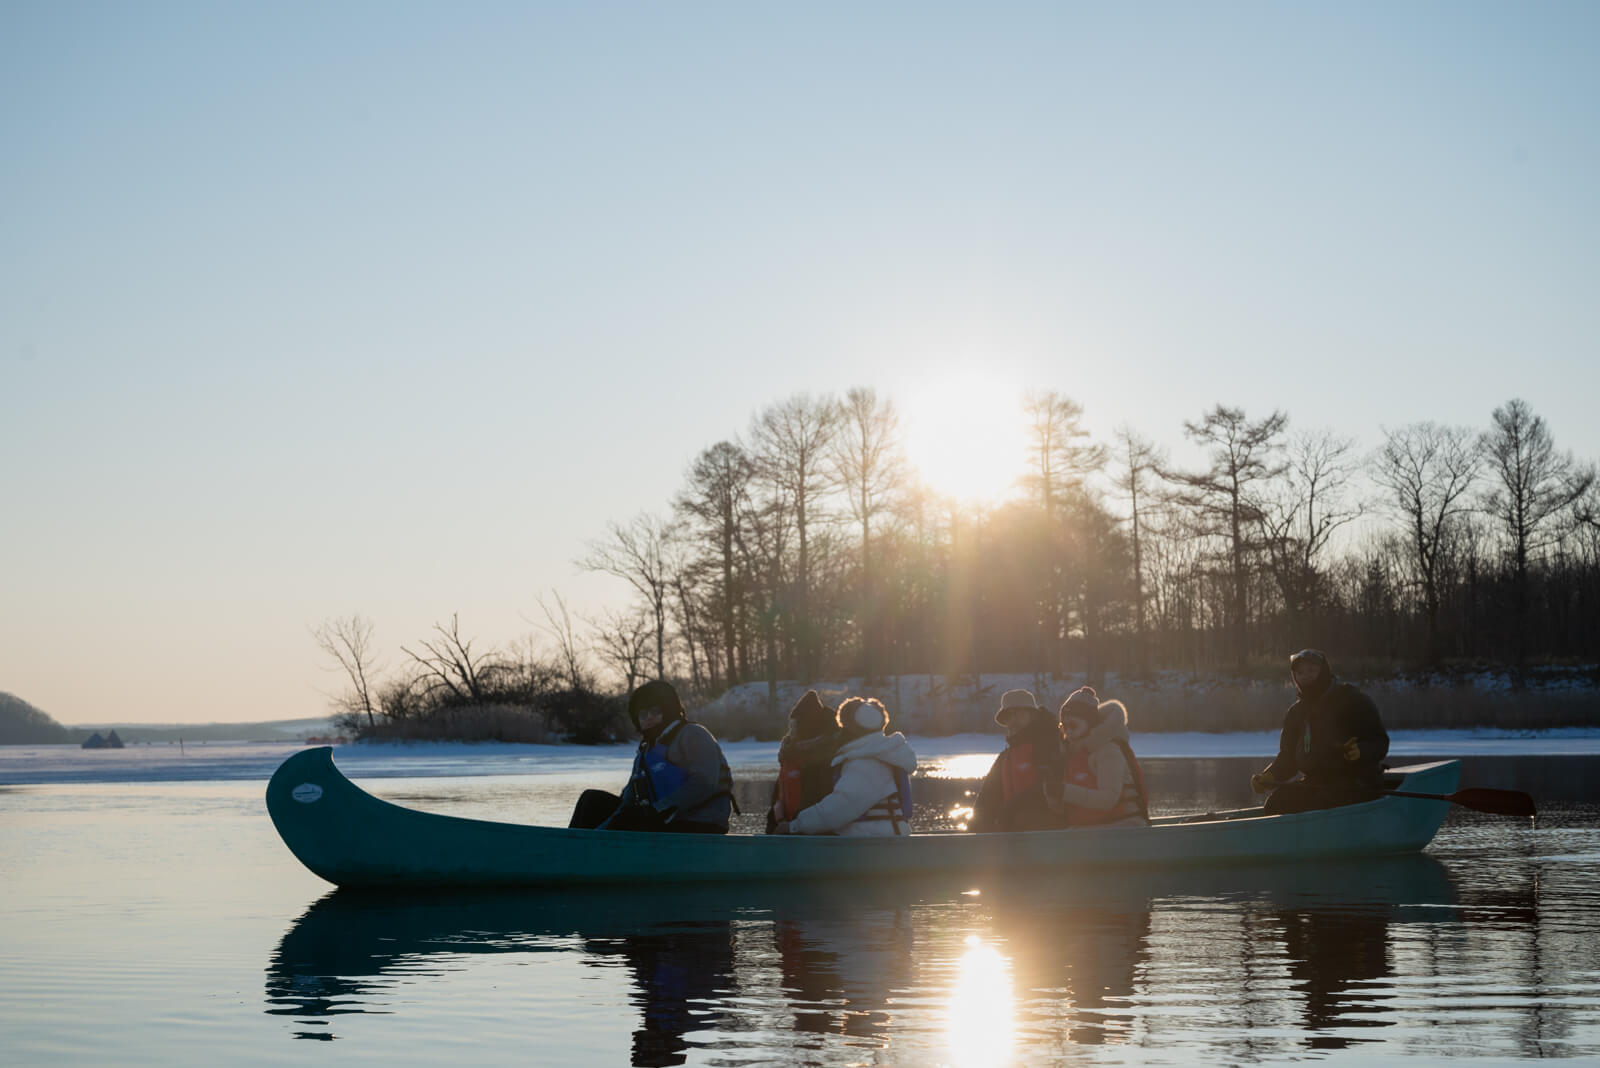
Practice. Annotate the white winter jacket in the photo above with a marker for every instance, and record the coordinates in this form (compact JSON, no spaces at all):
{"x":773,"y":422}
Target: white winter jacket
{"x":866,"y":776}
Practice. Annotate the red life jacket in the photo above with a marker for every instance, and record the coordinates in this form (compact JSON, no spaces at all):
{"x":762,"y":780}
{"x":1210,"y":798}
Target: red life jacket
{"x":1018,"y":772}
{"x":1134,"y":801}
{"x":792,"y":791}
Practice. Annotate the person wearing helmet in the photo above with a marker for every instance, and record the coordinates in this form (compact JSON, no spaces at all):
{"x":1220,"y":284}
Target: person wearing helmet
{"x":1103,"y":784}
{"x":1012,"y":797}
{"x":680,"y":780}
{"x":871,"y":795}
{"x":805,"y":759}
{"x":1332,"y":747}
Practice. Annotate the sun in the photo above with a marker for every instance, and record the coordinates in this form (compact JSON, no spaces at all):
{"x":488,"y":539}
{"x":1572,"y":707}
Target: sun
{"x":964,"y":434}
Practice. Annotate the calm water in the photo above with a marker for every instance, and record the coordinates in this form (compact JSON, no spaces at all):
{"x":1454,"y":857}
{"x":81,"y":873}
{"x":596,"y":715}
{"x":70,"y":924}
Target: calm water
{"x":165,"y":923}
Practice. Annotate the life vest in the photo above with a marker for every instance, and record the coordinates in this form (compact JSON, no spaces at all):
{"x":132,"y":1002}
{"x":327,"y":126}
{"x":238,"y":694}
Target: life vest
{"x":1134,"y":800}
{"x":658,"y":776}
{"x":801,"y":785}
{"x":1019,"y":774}
{"x":897,"y":806}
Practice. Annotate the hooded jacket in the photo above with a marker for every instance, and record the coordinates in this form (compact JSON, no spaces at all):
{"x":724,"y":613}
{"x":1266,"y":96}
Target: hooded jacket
{"x":1112,"y":775}
{"x":866,"y":776}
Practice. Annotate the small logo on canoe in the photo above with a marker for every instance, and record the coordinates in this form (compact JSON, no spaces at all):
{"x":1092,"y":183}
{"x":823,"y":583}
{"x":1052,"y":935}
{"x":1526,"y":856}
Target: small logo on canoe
{"x":306,"y":793}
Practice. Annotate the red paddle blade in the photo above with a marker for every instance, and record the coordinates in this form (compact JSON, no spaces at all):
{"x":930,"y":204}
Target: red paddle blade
{"x":1502,"y":802}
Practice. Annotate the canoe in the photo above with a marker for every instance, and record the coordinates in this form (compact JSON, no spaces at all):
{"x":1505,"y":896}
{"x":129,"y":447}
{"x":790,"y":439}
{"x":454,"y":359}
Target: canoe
{"x":350,"y":838}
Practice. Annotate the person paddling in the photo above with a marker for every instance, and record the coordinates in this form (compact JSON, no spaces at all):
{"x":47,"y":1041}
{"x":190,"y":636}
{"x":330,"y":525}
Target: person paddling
{"x":680,"y":780}
{"x":1103,"y":785}
{"x":871,"y":789}
{"x":1332,"y":738}
{"x":1012,"y":797}
{"x":805,"y":760}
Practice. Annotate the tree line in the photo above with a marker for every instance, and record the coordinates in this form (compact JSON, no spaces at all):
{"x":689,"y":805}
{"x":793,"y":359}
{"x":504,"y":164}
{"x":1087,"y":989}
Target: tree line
{"x":808,"y":548}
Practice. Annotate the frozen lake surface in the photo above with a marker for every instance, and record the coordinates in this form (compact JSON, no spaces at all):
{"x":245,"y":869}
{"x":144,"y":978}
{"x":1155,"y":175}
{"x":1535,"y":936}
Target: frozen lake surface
{"x":151,"y":916}
{"x":163,"y":762}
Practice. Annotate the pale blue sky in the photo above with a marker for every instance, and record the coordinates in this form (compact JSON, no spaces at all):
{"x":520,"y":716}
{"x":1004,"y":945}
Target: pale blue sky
{"x":312,"y":309}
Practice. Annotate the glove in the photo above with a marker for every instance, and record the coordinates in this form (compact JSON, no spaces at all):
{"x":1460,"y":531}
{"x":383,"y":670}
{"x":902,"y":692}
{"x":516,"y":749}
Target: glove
{"x":1352,"y":750}
{"x":1261,"y":782}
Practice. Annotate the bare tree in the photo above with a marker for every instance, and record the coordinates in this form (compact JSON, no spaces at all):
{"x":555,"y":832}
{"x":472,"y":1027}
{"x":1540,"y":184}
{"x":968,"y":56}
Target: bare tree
{"x":448,"y":664}
{"x":1139,"y":464}
{"x":1059,"y":461}
{"x":636,"y":554}
{"x":1427,"y":470}
{"x":712,"y":505}
{"x":791,"y":441}
{"x":1224,"y":499}
{"x":348,"y":640}
{"x":682,"y":579}
{"x":869,"y":466}
{"x":1533,"y":484}
{"x":1297,"y":520}
{"x":622,"y":642}
{"x":762,"y":537}
{"x":558,"y":624}
{"x":1059,"y":456}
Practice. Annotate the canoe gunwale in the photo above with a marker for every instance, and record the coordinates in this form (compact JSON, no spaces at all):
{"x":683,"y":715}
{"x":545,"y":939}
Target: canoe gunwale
{"x":351,"y":838}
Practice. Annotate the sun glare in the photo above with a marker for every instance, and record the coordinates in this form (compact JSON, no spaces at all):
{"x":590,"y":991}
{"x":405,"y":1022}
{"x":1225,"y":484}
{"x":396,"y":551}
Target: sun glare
{"x":965,"y":436}
{"x":979,"y":1021}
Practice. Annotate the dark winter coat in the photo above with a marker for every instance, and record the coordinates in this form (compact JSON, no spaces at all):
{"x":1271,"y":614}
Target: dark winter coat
{"x":993,"y":811}
{"x":815,"y":757}
{"x":1314,"y":732}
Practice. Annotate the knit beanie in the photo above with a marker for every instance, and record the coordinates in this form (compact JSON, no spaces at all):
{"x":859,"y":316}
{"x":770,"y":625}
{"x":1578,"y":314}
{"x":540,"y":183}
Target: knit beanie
{"x":1082,"y":703}
{"x":810,"y":717}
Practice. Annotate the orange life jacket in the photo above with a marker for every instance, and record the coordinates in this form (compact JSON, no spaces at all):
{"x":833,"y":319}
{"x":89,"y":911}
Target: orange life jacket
{"x":1134,"y":801}
{"x":1018,"y":772}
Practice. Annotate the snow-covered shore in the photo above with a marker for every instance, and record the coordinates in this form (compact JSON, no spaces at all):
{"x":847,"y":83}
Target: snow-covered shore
{"x":244,"y":761}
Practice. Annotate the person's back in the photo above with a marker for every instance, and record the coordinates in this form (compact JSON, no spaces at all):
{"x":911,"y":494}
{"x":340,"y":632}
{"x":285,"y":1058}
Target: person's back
{"x":805,"y":760}
{"x":866,"y":799}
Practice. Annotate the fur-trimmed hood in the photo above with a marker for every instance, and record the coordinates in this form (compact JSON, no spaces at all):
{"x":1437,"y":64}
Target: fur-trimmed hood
{"x":889,"y":748}
{"x":1113,"y":727}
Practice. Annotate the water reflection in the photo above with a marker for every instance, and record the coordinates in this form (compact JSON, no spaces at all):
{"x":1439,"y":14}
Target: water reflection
{"x":840,"y":966}
{"x":980,"y":1013}
{"x":1245,"y":961}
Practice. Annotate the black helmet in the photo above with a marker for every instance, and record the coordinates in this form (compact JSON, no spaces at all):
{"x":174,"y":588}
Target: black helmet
{"x":654,"y":694}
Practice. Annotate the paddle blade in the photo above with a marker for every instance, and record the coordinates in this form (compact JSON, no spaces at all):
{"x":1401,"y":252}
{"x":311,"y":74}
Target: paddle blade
{"x":1501,"y":802}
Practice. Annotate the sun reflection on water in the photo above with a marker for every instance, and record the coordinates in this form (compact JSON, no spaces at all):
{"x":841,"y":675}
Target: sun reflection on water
{"x":965,"y":766}
{"x":980,"y":1016}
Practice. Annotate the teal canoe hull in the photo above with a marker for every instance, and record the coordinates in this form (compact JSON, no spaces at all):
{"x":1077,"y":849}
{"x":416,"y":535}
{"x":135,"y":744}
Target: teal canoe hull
{"x":350,"y":838}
